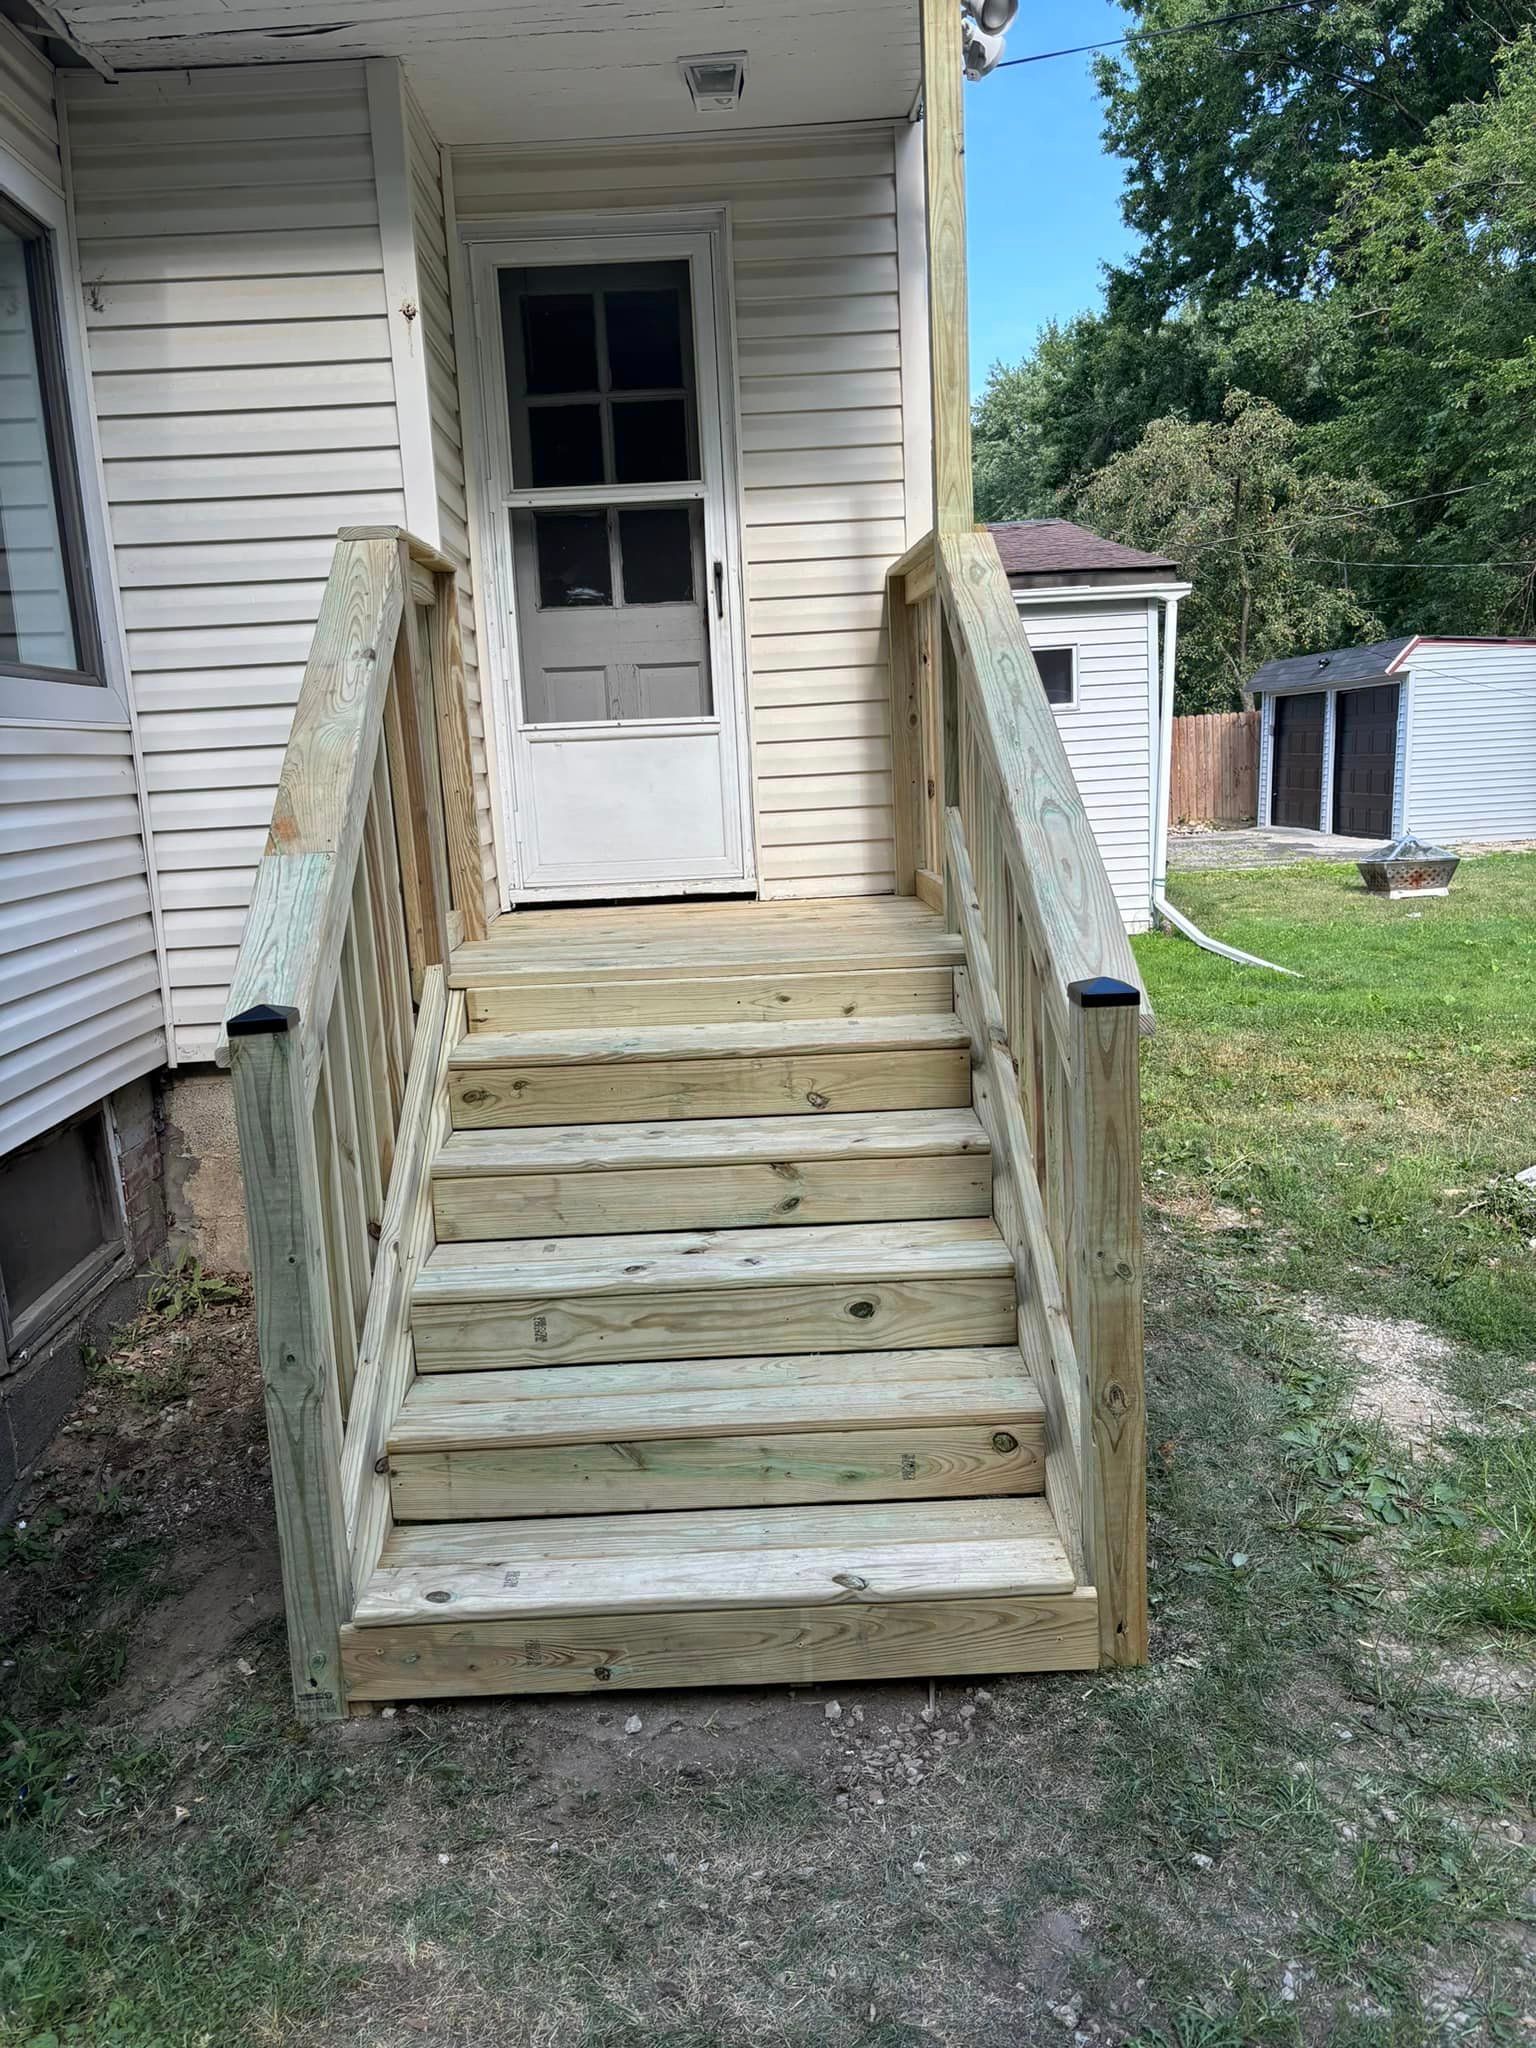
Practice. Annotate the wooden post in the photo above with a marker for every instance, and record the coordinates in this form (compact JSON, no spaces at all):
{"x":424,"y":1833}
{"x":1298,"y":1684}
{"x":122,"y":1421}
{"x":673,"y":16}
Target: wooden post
{"x":1106,"y":1256}
{"x":294,"y":1334}
{"x":906,"y":737}
{"x":948,"y":318}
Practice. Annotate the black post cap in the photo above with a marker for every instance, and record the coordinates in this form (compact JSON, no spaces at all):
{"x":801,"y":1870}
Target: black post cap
{"x":1103,"y":992}
{"x":262,"y":1020}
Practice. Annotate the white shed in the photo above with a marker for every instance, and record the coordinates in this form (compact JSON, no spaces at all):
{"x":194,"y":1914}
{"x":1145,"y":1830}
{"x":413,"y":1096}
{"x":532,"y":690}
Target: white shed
{"x":1421,"y":734}
{"x":1102,"y":623}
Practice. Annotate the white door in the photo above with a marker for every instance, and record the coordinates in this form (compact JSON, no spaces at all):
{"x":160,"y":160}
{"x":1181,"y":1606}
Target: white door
{"x":618,"y":564}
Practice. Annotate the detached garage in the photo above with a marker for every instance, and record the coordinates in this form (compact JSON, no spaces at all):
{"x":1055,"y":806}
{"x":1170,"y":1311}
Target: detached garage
{"x":1436,"y":737}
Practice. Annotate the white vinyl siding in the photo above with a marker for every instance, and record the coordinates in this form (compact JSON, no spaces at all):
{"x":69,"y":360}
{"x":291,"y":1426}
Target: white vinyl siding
{"x":81,"y":1011}
{"x":434,"y":279}
{"x":818,"y":359}
{"x":1107,"y":734}
{"x":240,"y":354}
{"x":1471,"y":767}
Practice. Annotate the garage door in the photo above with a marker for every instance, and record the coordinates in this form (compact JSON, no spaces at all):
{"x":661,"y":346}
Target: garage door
{"x":1297,"y":797}
{"x":1365,"y":757}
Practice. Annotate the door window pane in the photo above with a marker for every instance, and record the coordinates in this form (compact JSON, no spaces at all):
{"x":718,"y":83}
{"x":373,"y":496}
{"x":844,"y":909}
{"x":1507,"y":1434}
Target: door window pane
{"x":565,"y":444}
{"x":650,"y":441}
{"x":560,"y":341}
{"x":41,"y":563}
{"x":657,"y":550}
{"x":645,"y":340}
{"x":574,"y":567}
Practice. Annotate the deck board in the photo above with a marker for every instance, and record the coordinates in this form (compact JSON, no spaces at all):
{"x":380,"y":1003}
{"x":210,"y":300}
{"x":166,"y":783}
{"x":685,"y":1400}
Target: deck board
{"x":673,"y":940}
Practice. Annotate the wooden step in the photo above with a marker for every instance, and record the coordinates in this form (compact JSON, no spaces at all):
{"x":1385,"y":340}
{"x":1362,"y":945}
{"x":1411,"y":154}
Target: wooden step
{"x":904,"y":1425}
{"x":676,"y":941}
{"x":722,"y":1173}
{"x":655,"y":1072}
{"x":785,"y":1596}
{"x":700,"y":1294}
{"x":725,"y":997}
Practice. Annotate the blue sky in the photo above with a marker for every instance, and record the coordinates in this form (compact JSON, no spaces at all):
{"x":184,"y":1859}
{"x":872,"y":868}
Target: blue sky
{"x":1044,"y":199}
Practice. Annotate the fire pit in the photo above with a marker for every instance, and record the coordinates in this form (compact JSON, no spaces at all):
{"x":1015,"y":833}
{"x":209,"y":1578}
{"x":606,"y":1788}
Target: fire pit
{"x":1408,"y":867}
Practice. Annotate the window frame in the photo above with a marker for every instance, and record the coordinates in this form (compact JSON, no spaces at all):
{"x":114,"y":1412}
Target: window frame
{"x":1070,"y":648}
{"x":23,"y":1332}
{"x":41,"y":256}
{"x":34,"y":696}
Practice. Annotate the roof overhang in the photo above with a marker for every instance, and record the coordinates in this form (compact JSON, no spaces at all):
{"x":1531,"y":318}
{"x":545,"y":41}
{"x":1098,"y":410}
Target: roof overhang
{"x":1046,"y":594}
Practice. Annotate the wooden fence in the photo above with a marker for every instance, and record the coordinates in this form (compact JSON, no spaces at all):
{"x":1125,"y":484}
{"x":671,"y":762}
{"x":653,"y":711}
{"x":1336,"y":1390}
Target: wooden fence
{"x":1216,"y":769}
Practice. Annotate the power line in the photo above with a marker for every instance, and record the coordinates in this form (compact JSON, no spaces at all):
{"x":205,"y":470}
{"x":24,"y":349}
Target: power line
{"x":1338,"y":562}
{"x":1147,"y":35}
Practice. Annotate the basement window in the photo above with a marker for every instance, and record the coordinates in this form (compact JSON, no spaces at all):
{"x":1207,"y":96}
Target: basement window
{"x":61,"y":1226}
{"x":1058,"y":672}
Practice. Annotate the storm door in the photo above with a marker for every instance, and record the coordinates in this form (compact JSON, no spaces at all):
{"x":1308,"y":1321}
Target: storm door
{"x":629,"y":757}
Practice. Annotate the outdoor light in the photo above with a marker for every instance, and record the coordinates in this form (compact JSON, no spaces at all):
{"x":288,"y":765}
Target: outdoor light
{"x":715,"y":84}
{"x":983,"y":26}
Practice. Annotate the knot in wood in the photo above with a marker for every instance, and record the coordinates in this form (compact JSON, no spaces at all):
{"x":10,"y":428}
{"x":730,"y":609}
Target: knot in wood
{"x":861,"y":1311}
{"x":1003,"y":1442}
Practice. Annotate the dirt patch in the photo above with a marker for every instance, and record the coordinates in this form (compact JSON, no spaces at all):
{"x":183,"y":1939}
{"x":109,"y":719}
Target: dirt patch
{"x":1399,"y":1385}
{"x":1204,"y":1214}
{"x":143,"y":1549}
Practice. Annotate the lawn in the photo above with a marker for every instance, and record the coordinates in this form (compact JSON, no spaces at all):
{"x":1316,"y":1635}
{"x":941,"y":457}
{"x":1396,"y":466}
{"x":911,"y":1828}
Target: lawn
{"x":1308,"y":1824}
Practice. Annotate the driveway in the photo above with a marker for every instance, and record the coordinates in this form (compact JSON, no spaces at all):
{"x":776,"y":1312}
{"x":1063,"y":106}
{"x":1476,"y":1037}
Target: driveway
{"x":1261,"y":846}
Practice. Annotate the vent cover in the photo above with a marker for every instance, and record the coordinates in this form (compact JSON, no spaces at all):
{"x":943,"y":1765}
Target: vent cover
{"x":715,"y":84}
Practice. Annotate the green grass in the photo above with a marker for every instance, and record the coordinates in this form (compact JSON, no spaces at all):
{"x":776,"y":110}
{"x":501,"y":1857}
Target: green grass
{"x":1307,"y":1825}
{"x":1361,"y":1113}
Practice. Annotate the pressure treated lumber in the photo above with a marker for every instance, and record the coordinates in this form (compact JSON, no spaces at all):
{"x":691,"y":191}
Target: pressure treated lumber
{"x":299,"y":1368}
{"x":948,"y":327}
{"x":712,"y":999}
{"x":1107,"y":1264}
{"x":711,"y":1173}
{"x":838,"y":1556}
{"x":702,"y":1397}
{"x":693,"y":1295}
{"x":676,"y":941}
{"x":743,"y":1646}
{"x":916,"y":1462}
{"x":718,"y":1070}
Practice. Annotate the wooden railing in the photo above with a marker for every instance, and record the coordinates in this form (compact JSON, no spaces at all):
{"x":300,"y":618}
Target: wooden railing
{"x":337,"y":1029}
{"x":990,"y":827}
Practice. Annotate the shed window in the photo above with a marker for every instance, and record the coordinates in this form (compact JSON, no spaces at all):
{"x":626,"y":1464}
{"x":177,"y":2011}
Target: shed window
{"x":1058,"y":672}
{"x":46,"y":624}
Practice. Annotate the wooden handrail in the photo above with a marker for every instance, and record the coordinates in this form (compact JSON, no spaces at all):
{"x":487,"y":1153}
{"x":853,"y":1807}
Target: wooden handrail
{"x":337,"y":1028}
{"x":989,"y":823}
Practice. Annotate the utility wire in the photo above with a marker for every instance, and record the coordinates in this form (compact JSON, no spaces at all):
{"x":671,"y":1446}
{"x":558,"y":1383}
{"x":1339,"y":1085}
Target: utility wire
{"x":1147,"y":35}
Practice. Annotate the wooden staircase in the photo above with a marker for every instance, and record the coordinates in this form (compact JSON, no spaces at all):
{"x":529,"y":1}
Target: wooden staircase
{"x":716,"y":1350}
{"x":693,"y":1294}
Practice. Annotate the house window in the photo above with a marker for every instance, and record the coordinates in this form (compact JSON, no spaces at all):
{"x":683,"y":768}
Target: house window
{"x":60,"y":1225}
{"x":1058,"y":672}
{"x":47,"y":625}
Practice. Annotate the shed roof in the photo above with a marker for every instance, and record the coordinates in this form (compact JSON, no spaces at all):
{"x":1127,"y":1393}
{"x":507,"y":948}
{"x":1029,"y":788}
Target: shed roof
{"x":1336,"y":669}
{"x":1055,"y":547}
{"x":1342,"y":667}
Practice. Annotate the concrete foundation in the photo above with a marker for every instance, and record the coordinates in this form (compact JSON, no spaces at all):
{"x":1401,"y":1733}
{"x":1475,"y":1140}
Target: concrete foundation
{"x":204,"y":1194}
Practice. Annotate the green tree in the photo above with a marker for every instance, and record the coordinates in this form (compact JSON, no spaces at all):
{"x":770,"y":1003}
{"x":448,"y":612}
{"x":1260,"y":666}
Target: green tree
{"x":1432,"y":258}
{"x":1230,"y":502}
{"x":1008,"y":464}
{"x":1239,"y":141}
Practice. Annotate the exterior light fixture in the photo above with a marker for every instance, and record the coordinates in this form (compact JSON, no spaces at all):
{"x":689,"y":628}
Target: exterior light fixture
{"x":984,"y":25}
{"x":715,"y":84}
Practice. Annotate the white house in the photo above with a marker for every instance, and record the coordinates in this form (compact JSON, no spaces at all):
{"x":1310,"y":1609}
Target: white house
{"x":1102,"y":623}
{"x":1419,"y":734}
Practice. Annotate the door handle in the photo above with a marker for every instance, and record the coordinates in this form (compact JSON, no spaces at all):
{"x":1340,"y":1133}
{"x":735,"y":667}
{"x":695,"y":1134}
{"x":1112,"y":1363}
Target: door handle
{"x":719,"y":590}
